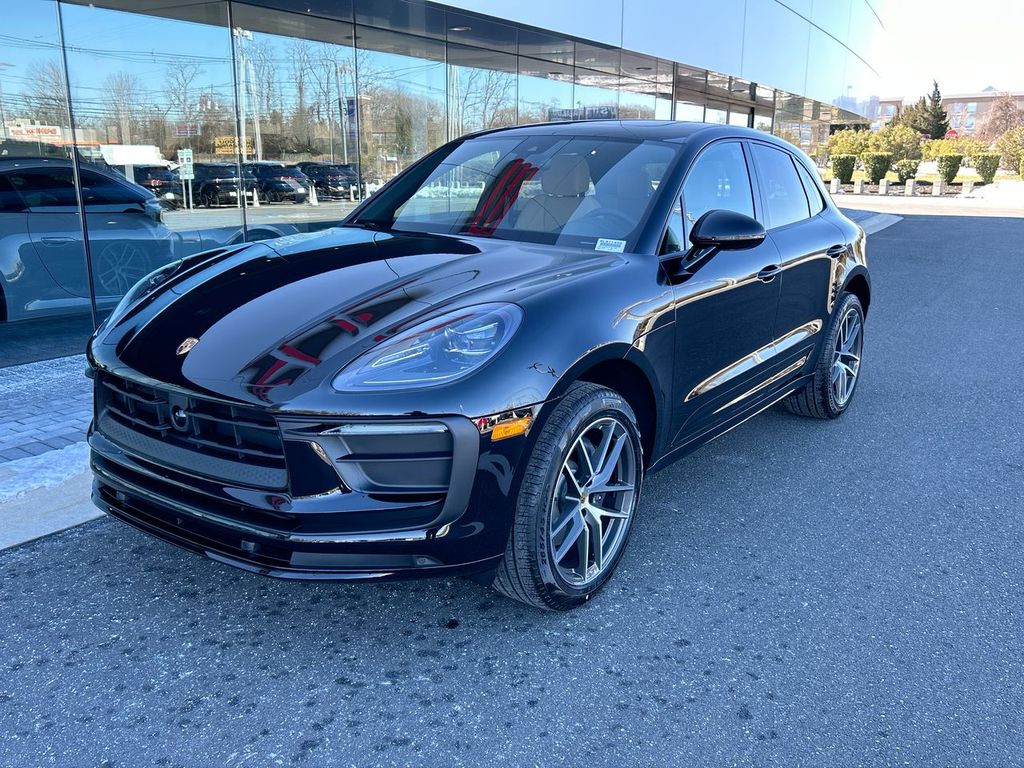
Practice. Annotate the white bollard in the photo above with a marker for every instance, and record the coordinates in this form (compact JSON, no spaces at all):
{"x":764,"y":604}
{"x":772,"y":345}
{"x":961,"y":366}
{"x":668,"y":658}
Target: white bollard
{"x":312,"y":195}
{"x":255,"y":198}
{"x":883,"y":186}
{"x":968,"y":188}
{"x":939,"y":188}
{"x":909,"y":192}
{"x":833,"y":186}
{"x":858,"y":186}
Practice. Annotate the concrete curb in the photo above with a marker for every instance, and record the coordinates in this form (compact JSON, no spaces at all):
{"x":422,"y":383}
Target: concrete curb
{"x":43,"y":511}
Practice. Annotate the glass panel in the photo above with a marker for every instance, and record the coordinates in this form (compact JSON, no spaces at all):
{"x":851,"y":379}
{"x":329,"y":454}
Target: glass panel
{"x":481,"y":89}
{"x":43,"y":274}
{"x":596,"y":95}
{"x":480,"y":32}
{"x":718,"y":179}
{"x":740,"y":117}
{"x":637,"y":99}
{"x":686,"y":110}
{"x":545,"y":91}
{"x":402,"y":101}
{"x":763,"y":121}
{"x":297,"y":101}
{"x":716,"y":113}
{"x":784,"y":198}
{"x":138,"y":110}
{"x":549,"y":48}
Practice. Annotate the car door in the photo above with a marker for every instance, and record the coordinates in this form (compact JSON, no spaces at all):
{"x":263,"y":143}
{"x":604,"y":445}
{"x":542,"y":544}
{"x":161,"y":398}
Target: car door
{"x":725,"y":312}
{"x":127,"y":239}
{"x":808,"y":245}
{"x":54,"y":225}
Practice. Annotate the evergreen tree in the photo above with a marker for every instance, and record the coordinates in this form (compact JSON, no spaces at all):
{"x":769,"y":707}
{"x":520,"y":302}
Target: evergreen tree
{"x":937,"y":121}
{"x":915,"y":117}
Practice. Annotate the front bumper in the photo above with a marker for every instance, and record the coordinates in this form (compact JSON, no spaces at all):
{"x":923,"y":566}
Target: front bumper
{"x":388,"y":516}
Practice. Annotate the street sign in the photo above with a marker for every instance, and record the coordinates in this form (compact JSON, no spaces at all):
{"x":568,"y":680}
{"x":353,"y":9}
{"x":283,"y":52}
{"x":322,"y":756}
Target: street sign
{"x":186,"y":172}
{"x":186,"y":129}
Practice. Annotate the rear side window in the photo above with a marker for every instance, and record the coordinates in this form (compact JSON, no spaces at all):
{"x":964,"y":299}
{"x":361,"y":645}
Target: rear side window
{"x":9,"y":199}
{"x":784,"y":198}
{"x":813,"y":193}
{"x":45,"y":188}
{"x":99,"y":190}
{"x":718,"y":180}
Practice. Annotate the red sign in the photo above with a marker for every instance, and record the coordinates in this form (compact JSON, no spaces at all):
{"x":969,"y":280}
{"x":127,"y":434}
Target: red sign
{"x":951,"y":134}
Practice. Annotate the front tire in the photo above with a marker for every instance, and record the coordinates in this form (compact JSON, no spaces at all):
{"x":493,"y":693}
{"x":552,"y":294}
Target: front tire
{"x":576,"y":503}
{"x":829,"y":393}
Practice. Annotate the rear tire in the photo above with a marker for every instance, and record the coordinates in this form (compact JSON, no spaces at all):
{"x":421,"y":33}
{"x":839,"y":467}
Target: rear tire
{"x":552,"y":560}
{"x":825,"y":397}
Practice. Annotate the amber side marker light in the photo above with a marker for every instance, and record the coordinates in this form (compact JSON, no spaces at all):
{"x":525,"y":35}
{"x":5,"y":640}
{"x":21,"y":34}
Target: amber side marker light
{"x":510,"y":428}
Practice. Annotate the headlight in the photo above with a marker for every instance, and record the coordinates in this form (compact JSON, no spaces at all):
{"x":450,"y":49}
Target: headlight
{"x":437,"y":351}
{"x":142,"y":288}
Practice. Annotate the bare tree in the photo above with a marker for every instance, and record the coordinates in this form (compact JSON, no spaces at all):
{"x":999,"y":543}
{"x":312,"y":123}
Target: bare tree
{"x":483,"y":98}
{"x":1003,"y":115}
{"x":181,"y":97}
{"x":122,"y":97}
{"x":47,"y":94}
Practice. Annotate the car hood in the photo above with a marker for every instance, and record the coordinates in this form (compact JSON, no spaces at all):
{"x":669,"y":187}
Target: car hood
{"x":279,"y":318}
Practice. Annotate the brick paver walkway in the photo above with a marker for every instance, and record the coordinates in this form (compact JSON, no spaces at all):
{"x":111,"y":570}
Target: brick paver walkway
{"x":43,"y":406}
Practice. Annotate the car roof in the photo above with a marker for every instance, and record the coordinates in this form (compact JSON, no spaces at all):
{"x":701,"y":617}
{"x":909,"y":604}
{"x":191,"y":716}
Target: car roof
{"x":658,"y":130}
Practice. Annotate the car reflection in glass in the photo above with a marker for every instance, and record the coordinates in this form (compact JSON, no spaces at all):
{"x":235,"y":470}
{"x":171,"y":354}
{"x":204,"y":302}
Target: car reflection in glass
{"x":42,"y":259}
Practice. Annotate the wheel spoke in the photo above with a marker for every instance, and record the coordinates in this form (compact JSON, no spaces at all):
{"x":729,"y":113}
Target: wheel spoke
{"x":571,"y":538}
{"x":567,"y":518}
{"x":600,"y":512}
{"x":606,"y":470}
{"x":596,"y":540}
{"x":583,"y":549}
{"x":573,"y":482}
{"x":611,"y":488}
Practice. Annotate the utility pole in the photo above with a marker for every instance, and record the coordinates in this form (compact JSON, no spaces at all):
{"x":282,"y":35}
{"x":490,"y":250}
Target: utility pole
{"x":3,"y":115}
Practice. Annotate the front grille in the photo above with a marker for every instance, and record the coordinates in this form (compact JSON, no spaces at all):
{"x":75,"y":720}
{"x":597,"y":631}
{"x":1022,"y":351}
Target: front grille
{"x":220,"y":440}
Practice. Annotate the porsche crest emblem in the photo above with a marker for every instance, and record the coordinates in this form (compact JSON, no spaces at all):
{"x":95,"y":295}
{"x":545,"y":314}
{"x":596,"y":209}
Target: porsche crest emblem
{"x":187,"y":345}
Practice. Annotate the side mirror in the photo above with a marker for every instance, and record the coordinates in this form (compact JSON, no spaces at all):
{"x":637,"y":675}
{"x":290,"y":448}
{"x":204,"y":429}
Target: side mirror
{"x":727,"y":231}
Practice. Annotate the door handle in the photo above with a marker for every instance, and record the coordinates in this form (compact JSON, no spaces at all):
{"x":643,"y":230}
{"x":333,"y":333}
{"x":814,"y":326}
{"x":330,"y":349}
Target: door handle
{"x":768,"y":274}
{"x":56,"y":240}
{"x":836,"y":251}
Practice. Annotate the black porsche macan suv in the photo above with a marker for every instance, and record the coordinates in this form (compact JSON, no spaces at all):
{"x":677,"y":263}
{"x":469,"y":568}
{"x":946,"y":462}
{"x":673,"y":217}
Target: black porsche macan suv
{"x":475,"y":378}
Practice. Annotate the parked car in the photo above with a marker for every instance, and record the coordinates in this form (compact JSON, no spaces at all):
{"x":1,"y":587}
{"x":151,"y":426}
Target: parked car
{"x":219,"y":184}
{"x":477,"y":381}
{"x":332,"y":180}
{"x":161,"y":181}
{"x":42,"y":262}
{"x":277,"y":183}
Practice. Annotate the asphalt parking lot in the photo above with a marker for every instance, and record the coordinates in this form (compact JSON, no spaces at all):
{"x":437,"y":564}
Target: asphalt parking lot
{"x":796,"y":593}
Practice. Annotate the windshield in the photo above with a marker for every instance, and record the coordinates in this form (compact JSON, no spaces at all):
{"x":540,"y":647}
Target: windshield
{"x":579,"y":191}
{"x":221,"y":171}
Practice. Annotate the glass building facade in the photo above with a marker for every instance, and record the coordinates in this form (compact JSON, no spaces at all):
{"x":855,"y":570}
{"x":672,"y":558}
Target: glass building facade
{"x":135,"y":132}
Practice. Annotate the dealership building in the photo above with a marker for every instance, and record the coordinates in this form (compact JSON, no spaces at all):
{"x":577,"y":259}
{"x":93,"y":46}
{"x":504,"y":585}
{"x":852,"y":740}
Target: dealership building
{"x":126,"y":86}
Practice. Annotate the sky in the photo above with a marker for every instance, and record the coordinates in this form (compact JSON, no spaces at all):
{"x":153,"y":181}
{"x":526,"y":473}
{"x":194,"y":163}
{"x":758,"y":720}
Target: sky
{"x":965,"y":45}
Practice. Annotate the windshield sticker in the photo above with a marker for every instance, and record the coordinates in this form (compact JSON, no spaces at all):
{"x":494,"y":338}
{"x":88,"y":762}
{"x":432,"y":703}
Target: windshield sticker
{"x":609,"y":245}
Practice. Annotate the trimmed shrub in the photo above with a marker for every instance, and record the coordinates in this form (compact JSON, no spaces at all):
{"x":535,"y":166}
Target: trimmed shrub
{"x":1011,"y":146}
{"x":876,"y":165}
{"x":986,"y":164}
{"x":848,"y":142}
{"x":906,"y":170}
{"x":842,"y":167}
{"x":949,"y":166}
{"x":901,"y":142}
